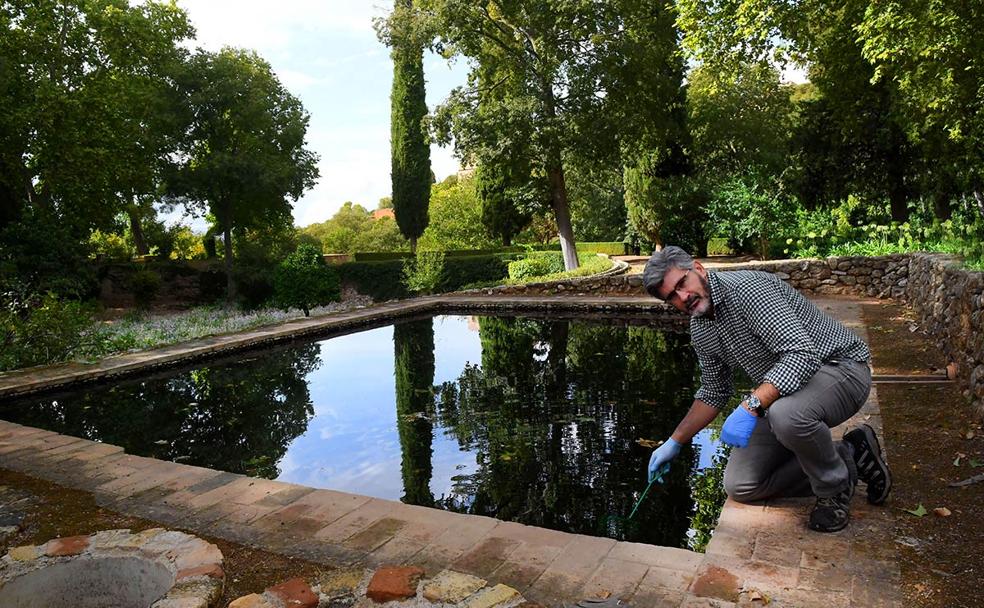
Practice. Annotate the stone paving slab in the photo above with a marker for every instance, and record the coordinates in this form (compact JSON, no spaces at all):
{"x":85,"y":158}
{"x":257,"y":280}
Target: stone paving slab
{"x":756,"y":549}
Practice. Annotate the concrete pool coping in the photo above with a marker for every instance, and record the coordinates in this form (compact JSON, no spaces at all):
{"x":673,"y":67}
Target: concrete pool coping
{"x":756,"y":551}
{"x":32,"y":380}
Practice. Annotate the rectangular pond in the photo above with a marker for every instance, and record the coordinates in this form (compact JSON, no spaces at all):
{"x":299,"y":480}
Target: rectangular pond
{"x":538,"y":421}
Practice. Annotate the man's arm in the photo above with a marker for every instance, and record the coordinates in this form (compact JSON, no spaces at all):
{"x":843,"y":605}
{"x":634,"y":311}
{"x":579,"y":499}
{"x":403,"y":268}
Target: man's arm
{"x":698,"y":417}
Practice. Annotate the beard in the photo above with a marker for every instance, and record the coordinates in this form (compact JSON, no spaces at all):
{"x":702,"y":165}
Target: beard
{"x":700,"y":305}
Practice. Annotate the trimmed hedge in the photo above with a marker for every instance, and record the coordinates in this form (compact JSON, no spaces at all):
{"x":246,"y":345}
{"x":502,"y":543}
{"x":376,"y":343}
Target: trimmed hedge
{"x":606,"y":247}
{"x":383,"y":279}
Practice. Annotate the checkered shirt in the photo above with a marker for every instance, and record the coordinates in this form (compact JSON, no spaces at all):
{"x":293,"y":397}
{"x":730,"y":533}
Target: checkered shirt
{"x":769,"y":329}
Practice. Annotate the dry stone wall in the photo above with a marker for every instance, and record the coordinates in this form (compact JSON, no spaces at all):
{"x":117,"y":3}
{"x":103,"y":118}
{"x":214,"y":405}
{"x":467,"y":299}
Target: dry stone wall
{"x":948,"y":299}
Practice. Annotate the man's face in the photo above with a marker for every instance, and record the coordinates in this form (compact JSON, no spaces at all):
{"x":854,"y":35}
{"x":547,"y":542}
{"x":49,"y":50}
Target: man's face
{"x":687,"y":290}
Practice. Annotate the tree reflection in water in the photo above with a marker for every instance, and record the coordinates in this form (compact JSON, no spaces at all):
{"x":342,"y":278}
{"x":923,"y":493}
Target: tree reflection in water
{"x":553,"y":415}
{"x":233,"y":417}
{"x":413,"y":343}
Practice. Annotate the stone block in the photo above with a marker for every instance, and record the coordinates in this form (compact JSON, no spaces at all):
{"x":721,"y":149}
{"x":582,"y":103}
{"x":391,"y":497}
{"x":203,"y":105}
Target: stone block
{"x":61,"y":547}
{"x":295,"y":593}
{"x":451,"y":587}
{"x":500,"y":595}
{"x":391,"y":583}
{"x":253,"y":600}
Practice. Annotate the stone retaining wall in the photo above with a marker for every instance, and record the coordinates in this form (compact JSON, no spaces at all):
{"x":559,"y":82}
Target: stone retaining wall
{"x":947,"y":298}
{"x":950,"y":303}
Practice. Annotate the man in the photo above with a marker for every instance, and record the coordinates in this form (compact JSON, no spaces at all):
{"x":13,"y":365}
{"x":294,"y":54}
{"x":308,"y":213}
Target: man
{"x":811,"y":374}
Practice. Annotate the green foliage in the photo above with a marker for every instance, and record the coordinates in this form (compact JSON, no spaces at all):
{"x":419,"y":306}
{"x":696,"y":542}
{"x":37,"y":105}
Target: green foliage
{"x":744,"y":211}
{"x":608,"y":248}
{"x":590,"y":264}
{"x":353,"y":229}
{"x":422,"y":273}
{"x":41,"y":254}
{"x":39,"y":330}
{"x":384,"y":279}
{"x":455,"y":217}
{"x":304,"y":281}
{"x":245,"y":154}
{"x":536,"y":265}
{"x":411,"y":172}
{"x":144,"y":285}
{"x":112,"y":246}
{"x":503,"y":188}
{"x":381,"y":280}
{"x":666,"y":208}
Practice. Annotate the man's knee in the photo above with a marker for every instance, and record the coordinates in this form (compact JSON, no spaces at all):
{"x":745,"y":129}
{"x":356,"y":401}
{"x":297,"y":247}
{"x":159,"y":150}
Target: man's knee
{"x":789,"y":420}
{"x":742,"y":490}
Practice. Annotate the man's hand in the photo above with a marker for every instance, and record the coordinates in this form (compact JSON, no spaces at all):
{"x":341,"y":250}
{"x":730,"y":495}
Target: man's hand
{"x":659,"y":462}
{"x":738,"y":427}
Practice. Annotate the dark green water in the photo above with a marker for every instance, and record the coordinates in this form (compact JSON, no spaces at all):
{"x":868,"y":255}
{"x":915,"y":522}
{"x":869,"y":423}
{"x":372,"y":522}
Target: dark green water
{"x":526,"y":420}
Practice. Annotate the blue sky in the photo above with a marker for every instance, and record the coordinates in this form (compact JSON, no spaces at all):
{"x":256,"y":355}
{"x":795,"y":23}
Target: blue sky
{"x":326,"y":53}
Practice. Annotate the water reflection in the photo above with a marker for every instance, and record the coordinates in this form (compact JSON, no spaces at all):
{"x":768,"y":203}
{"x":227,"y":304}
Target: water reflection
{"x":239,"y":418}
{"x":527,"y":420}
{"x":553,"y":415}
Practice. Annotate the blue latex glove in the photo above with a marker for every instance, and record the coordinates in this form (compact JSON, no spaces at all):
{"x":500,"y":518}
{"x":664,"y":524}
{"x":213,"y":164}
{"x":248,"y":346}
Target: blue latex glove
{"x":659,"y":462}
{"x":738,"y":427}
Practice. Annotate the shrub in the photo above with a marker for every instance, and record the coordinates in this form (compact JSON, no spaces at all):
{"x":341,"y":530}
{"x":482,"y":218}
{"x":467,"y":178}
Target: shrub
{"x":536,"y":265}
{"x":41,"y":330}
{"x":145,"y":285}
{"x":383,"y":280}
{"x":254,"y":286}
{"x":422,"y":274}
{"x":304,"y":281}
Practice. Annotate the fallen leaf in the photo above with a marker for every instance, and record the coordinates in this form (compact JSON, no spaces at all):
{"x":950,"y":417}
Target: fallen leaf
{"x":647,"y":443}
{"x":969,"y":435}
{"x":919,"y":511}
{"x":942,"y":512}
{"x":956,"y":461}
{"x":976,"y":463}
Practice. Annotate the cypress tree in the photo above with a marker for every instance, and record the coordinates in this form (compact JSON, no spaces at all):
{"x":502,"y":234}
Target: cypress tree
{"x":500,"y":215}
{"x":411,"y":173}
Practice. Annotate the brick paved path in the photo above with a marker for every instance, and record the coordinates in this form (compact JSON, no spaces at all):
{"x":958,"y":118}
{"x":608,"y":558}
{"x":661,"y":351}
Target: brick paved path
{"x":756,"y":551}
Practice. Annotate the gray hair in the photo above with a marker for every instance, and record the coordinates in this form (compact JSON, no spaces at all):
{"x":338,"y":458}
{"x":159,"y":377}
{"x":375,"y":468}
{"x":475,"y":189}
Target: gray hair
{"x":660,"y":262}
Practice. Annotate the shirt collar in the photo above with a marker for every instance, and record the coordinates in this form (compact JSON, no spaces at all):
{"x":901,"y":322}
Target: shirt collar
{"x":718,"y":292}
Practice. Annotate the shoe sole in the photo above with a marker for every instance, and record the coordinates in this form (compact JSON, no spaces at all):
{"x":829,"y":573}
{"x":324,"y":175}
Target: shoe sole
{"x":874,"y":448}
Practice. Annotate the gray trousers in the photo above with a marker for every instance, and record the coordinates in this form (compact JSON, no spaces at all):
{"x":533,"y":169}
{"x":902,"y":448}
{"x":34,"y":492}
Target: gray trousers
{"x":791,"y":452}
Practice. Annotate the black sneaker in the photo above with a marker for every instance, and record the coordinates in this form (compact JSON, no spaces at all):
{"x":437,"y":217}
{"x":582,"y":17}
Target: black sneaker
{"x":832,"y":513}
{"x":871,"y":466}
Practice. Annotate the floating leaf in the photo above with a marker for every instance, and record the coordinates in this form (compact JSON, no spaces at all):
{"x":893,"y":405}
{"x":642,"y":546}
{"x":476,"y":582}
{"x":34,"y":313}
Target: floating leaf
{"x":918,"y":511}
{"x":942,"y":512}
{"x":648,"y":443}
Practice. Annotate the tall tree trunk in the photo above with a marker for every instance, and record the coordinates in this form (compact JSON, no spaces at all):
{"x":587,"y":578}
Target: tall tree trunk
{"x":558,"y":184}
{"x":230,"y":283}
{"x":136,"y":230}
{"x":413,"y":245}
{"x":562,"y":213}
{"x":980,"y":201}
